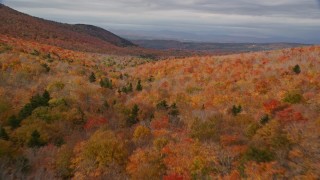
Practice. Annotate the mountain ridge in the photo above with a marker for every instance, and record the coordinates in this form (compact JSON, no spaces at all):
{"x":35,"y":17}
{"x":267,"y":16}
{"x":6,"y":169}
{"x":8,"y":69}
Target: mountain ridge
{"x":80,"y":37}
{"x":212,"y":46}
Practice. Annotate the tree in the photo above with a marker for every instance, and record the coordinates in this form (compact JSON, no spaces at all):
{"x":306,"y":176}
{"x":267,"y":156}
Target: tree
{"x":63,"y":162}
{"x":46,"y":67}
{"x":206,"y":130}
{"x":289,"y":115}
{"x":145,"y":164}
{"x":258,"y":155}
{"x":141,"y":134}
{"x":162,"y":105}
{"x":151,"y":79}
{"x":139,"y":86}
{"x":35,"y":102}
{"x":297,"y":69}
{"x":46,"y":97}
{"x":129,"y":87}
{"x":265,"y":119}
{"x":3,"y":134}
{"x":92,"y":77}
{"x":272,"y":105}
{"x":95,"y":122}
{"x":106,"y":83}
{"x":133,"y":117}
{"x":25,"y":111}
{"x":14,"y":122}
{"x":161,"y":123}
{"x":236,"y":110}
{"x":293,"y":97}
{"x":6,"y":150}
{"x":174,"y":110}
{"x":106,"y":105}
{"x":35,"y":53}
{"x":100,"y":154}
{"x":35,"y":140}
{"x":266,"y":170}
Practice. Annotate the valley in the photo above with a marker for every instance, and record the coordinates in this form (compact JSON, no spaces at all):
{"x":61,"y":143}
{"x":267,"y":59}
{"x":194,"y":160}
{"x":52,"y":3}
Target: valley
{"x":79,"y":102}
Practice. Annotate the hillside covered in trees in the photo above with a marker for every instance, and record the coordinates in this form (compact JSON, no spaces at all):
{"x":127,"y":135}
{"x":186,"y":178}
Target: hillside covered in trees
{"x":76,"y":37}
{"x":73,"y":115}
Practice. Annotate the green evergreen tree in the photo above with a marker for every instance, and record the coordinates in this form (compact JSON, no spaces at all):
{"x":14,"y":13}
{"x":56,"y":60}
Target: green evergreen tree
{"x":106,"y":83}
{"x":130,"y":88}
{"x":162,"y":105}
{"x":106,"y":104}
{"x":46,"y":98}
{"x":139,"y":86}
{"x":297,"y":69}
{"x":35,"y":102}
{"x":151,"y":79}
{"x":236,"y":110}
{"x":3,"y":134}
{"x":265,"y":119}
{"x":35,"y":140}
{"x":46,"y":67}
{"x":174,"y":110}
{"x":259,"y":155}
{"x":135,"y":110}
{"x":92,"y":77}
{"x":25,"y":111}
{"x":133,"y":117}
{"x":124,"y":89}
{"x":14,"y":122}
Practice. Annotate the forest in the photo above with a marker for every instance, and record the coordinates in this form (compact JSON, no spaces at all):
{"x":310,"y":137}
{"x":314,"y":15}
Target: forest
{"x":68,"y":114}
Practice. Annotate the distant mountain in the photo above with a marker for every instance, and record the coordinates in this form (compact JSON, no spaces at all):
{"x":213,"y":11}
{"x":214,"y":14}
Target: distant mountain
{"x":76,"y":37}
{"x":213,"y":47}
{"x":102,"y":34}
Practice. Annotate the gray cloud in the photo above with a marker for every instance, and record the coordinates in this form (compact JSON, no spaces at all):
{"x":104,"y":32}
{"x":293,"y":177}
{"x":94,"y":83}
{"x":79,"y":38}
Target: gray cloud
{"x":239,"y":20}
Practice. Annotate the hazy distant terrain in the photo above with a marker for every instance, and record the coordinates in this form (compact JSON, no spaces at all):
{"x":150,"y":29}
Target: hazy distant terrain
{"x":213,"y":47}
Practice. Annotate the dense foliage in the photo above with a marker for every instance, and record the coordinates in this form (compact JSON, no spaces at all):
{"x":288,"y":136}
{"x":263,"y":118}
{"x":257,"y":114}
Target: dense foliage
{"x":75,"y":115}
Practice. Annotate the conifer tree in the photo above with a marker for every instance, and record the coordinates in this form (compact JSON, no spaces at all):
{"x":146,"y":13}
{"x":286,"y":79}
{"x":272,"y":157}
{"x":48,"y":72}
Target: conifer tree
{"x":46,"y":97}
{"x":3,"y":134}
{"x":297,"y":69}
{"x":14,"y":122}
{"x":92,"y":77}
{"x":129,"y":87}
{"x":35,"y":140}
{"x":139,"y":86}
{"x":236,"y":110}
{"x":133,"y":117}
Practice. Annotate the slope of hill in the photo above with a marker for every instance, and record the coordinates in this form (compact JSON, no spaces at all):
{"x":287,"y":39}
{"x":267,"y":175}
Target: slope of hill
{"x":213,"y":47}
{"x":78,"y":37}
{"x":67,"y":114}
{"x":75,"y":37}
{"x":102,"y":34}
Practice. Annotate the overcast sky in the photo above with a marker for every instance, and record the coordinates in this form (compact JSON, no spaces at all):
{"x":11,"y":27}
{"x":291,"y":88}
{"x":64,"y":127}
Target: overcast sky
{"x":198,"y":20}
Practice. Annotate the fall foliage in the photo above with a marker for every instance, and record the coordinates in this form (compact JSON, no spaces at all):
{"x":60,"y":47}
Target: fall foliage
{"x":77,"y":115}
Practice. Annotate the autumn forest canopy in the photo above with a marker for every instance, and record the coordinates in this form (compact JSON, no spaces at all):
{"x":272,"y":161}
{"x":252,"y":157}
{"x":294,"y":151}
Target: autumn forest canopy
{"x":79,"y":102}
